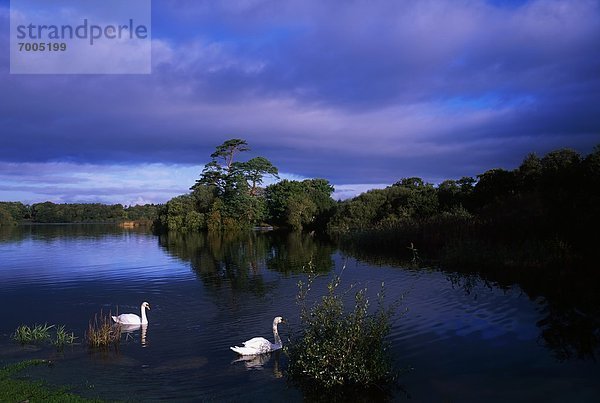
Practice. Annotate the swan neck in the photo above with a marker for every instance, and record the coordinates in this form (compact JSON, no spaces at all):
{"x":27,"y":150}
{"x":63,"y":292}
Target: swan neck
{"x":144,"y":319}
{"x":276,"y":334}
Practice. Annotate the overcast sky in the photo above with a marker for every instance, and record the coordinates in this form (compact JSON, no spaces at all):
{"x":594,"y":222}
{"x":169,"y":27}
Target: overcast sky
{"x":361,"y":93}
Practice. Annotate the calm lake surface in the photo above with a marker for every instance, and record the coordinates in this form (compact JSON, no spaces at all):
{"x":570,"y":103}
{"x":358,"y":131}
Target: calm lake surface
{"x":465,"y":339}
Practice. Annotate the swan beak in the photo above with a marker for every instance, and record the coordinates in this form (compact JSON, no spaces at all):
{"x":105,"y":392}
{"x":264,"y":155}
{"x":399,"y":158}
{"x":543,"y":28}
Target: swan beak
{"x":283,"y":320}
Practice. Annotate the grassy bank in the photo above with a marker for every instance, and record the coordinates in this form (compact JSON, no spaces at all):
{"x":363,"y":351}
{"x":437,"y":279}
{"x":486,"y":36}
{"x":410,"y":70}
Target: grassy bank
{"x":16,"y":388}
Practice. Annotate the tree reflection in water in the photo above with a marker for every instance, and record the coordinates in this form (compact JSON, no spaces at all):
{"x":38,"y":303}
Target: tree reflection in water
{"x":571,"y":303}
{"x":239,"y":258}
{"x":570,"y":298}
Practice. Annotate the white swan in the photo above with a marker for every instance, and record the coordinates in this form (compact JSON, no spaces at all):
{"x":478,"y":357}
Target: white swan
{"x":132,"y":318}
{"x":260,"y":345}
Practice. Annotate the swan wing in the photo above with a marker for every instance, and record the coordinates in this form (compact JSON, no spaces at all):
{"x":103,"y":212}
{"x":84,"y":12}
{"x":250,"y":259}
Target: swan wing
{"x":257,"y":345}
{"x":243,"y":350}
{"x":128,"y":319}
{"x":257,"y":342}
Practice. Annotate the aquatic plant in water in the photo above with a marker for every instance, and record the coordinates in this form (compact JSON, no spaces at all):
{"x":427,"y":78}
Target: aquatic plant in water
{"x":41,"y":333}
{"x":338,"y":347}
{"x":102,"y":333}
{"x":36,"y":334}
{"x":63,"y":337}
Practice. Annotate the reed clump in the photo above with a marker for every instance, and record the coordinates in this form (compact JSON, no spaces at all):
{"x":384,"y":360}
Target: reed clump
{"x":102,"y":333}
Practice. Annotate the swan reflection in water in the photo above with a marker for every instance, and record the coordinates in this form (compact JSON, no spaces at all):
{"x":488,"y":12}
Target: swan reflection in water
{"x":258,"y":361}
{"x":128,"y":330}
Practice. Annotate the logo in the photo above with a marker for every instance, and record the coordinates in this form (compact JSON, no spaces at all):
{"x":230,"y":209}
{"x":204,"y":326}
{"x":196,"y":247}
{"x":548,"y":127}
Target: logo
{"x":80,"y":37}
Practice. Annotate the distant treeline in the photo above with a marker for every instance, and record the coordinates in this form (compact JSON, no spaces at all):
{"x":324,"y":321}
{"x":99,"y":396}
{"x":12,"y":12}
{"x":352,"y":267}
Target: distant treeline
{"x":12,"y":213}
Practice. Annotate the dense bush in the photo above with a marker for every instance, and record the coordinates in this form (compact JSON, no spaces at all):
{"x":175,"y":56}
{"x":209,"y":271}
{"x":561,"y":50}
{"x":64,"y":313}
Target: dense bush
{"x":338,"y":347}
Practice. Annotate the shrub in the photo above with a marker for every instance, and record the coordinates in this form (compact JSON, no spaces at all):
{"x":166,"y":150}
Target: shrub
{"x":339,"y":348}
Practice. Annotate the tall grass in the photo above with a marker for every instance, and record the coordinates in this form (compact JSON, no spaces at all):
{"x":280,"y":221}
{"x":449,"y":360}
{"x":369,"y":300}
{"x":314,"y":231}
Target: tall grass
{"x":102,"y":333}
{"x":63,"y":337}
{"x":42,"y":333}
{"x":36,"y":334}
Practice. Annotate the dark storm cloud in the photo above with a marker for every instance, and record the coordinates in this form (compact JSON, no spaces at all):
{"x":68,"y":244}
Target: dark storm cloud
{"x":357,"y":92}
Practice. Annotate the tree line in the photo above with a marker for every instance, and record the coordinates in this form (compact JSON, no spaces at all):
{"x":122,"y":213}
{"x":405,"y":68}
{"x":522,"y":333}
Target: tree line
{"x":12,"y":213}
{"x":545,"y":210}
{"x":558,"y":190}
{"x":546,"y":206}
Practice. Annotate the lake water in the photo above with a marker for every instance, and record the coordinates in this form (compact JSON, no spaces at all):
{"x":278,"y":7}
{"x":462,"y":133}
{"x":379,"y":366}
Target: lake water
{"x":465,"y":340}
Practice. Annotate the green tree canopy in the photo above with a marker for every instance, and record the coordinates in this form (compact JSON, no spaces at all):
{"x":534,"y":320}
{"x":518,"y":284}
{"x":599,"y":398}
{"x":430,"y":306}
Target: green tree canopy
{"x":227,"y":194}
{"x":228,"y":149}
{"x":298,"y":204}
